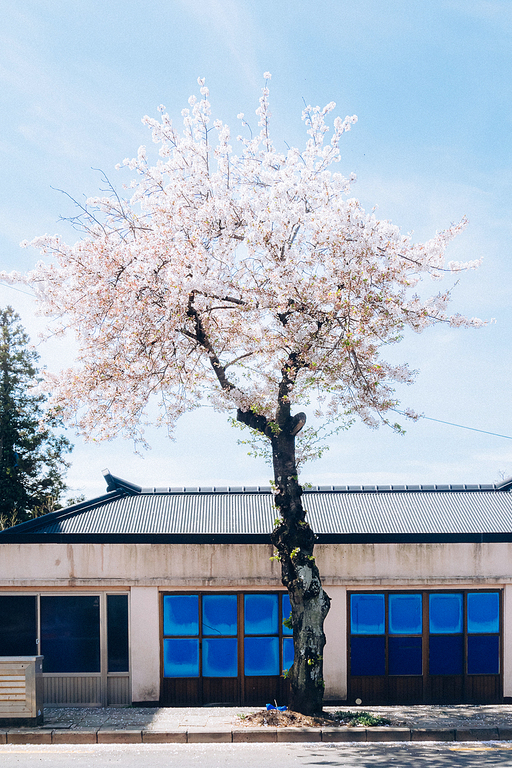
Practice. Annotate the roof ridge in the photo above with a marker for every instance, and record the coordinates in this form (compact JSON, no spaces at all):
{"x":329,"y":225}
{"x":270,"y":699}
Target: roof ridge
{"x":425,"y":488}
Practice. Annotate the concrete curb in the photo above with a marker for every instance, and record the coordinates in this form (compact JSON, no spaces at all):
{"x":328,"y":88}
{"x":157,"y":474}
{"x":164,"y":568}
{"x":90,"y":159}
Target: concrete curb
{"x":252,"y":735}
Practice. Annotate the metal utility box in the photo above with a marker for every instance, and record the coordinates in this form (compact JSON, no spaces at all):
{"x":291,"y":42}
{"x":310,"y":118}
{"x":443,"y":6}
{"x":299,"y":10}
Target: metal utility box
{"x":21,"y":690}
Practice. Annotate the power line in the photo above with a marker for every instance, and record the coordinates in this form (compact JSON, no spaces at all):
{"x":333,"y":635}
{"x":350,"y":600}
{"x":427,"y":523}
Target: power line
{"x":460,"y":426}
{"x":6,"y":285}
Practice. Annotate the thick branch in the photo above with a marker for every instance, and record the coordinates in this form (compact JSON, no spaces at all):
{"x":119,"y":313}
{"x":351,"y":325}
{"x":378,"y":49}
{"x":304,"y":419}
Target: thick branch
{"x":254,"y":421}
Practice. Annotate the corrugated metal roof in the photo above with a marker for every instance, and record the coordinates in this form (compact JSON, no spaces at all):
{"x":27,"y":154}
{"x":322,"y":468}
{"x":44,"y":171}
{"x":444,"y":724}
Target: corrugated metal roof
{"x":368,"y":510}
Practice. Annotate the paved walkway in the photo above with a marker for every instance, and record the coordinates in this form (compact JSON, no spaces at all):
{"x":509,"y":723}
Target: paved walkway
{"x":222,"y":724}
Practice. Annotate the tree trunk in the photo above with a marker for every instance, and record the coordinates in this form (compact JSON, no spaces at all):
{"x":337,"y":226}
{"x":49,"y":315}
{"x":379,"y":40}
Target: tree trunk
{"x":294,"y":542}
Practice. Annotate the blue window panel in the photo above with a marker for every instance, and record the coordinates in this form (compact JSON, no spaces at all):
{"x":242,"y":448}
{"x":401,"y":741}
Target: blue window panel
{"x":483,"y":612}
{"x":445,"y":654}
{"x":261,"y":656}
{"x":367,"y":615}
{"x":220,"y":657}
{"x":367,"y":655}
{"x":219,"y":615}
{"x":181,"y":615}
{"x":445,"y":613}
{"x":261,"y":615}
{"x":288,"y":654}
{"x":404,"y":656}
{"x":181,"y":657}
{"x":405,"y":615}
{"x":287,"y":609}
{"x":483,"y":654}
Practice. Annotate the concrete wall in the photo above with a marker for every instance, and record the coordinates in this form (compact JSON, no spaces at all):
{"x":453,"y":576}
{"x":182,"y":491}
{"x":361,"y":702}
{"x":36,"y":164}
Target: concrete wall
{"x":145,"y":643}
{"x":249,"y":565}
{"x":335,"y":651}
{"x":147,"y":569}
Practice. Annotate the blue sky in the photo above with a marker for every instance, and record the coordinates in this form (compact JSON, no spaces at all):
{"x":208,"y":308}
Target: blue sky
{"x":431,"y":85}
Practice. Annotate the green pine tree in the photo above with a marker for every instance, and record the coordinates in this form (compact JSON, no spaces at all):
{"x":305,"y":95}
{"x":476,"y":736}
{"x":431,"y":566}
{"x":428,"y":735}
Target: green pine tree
{"x":32,"y":464}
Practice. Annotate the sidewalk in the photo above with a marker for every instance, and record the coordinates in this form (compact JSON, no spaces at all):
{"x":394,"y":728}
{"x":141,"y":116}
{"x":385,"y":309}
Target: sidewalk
{"x":80,"y":725}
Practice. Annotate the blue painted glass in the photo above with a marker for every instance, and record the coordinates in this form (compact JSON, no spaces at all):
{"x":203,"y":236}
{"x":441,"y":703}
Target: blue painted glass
{"x":261,"y":656}
{"x":445,"y":654}
{"x":405,"y":615}
{"x":287,"y":653}
{"x":181,"y":615}
{"x":287,"y":610}
{"x":181,"y":657}
{"x":404,"y":656}
{"x":219,"y":615}
{"x":220,"y":657}
{"x":367,"y":655}
{"x":445,"y":613}
{"x":367,"y":614}
{"x":483,"y":654}
{"x":261,"y":615}
{"x":483,"y":612}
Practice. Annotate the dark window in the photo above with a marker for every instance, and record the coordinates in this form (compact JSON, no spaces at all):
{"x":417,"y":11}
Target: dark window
{"x":70,"y":633}
{"x":18,"y":626}
{"x":368,"y":655}
{"x":483,"y":654}
{"x":446,"y":654}
{"x":117,"y":633}
{"x":404,"y":655}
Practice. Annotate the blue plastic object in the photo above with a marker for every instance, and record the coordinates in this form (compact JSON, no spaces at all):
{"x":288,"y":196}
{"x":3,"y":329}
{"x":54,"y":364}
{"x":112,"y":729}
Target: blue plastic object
{"x":279,"y":709}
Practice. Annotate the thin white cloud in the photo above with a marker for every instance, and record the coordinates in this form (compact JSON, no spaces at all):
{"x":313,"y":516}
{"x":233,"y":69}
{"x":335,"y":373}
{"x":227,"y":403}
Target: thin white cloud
{"x":232,"y":23}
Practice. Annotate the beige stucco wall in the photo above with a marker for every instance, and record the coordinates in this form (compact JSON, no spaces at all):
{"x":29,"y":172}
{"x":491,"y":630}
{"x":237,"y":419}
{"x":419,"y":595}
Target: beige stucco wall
{"x":145,"y":643}
{"x":249,"y":565}
{"x":335,"y":650}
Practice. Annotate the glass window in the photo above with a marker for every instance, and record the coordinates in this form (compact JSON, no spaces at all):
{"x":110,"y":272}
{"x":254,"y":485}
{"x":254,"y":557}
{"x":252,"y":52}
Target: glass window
{"x":483,"y":654}
{"x":261,"y":615}
{"x":446,"y":654}
{"x":367,"y":614}
{"x":18,"y":627}
{"x":287,"y":611}
{"x":445,"y":613}
{"x":181,"y":615}
{"x":367,"y":655}
{"x":483,"y":612}
{"x":220,"y":657}
{"x":405,"y":614}
{"x":404,"y":656}
{"x":70,"y":633}
{"x":181,"y":657}
{"x":288,"y":653}
{"x":261,"y":656}
{"x":117,"y":633}
{"x":219,"y":615}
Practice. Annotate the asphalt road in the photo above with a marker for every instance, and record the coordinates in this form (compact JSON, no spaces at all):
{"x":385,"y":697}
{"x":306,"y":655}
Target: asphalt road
{"x":463,"y":755}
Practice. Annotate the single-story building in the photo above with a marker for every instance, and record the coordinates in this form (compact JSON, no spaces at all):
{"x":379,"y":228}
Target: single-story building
{"x":169,"y":595}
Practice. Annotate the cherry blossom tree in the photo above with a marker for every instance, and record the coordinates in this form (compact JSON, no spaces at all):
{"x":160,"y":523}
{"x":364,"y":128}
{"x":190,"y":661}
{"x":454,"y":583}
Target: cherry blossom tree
{"x":254,"y":282}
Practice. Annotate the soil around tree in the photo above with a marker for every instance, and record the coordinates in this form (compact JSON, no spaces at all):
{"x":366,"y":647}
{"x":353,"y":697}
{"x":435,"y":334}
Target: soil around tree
{"x":290,"y":719}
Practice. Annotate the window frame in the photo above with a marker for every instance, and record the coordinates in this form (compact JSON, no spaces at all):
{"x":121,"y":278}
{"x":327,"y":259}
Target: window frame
{"x":426,"y":593}
{"x":240,"y":636}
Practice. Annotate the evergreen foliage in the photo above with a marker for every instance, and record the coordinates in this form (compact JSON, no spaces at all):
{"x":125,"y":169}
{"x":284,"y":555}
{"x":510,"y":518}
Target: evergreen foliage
{"x":32,"y":464}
